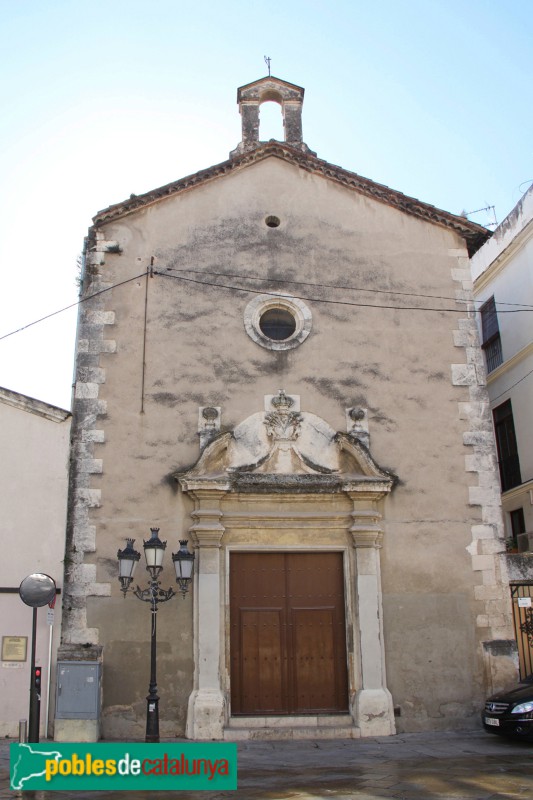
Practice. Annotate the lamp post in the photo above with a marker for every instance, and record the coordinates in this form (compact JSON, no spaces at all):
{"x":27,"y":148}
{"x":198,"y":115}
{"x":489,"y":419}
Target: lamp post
{"x":154,"y":551}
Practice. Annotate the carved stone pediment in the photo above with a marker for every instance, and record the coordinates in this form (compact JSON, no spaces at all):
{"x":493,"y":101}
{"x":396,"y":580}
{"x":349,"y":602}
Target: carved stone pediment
{"x":285,"y":449}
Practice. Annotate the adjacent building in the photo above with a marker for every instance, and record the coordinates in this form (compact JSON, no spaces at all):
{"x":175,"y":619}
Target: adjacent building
{"x":503,"y":287}
{"x":278,"y":360}
{"x":35,"y":441}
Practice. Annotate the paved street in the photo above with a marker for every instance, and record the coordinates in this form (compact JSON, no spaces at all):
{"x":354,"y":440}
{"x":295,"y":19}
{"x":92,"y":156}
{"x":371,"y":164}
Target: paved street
{"x":416,"y":766}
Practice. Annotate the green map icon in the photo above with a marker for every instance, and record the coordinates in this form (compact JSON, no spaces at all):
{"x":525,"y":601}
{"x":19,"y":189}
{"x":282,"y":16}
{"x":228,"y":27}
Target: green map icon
{"x":28,"y":765}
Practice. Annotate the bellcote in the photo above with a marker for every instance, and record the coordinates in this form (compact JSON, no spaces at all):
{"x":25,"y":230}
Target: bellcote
{"x":289,"y":97}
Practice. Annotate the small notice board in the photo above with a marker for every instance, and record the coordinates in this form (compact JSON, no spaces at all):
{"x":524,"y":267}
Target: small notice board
{"x":14,"y":648}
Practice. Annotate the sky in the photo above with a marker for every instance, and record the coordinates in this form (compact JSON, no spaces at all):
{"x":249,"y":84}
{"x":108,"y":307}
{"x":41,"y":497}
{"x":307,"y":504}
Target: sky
{"x":99,"y":100}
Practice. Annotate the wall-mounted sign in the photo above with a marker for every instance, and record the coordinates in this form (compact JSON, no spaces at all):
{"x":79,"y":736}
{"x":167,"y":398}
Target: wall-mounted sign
{"x":14,"y":648}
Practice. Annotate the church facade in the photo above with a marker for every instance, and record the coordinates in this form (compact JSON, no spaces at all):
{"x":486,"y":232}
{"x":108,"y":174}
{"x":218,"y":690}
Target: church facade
{"x":277,"y":360}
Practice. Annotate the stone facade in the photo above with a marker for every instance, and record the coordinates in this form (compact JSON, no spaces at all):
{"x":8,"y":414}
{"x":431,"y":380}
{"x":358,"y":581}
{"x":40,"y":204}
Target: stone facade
{"x":284,"y":360}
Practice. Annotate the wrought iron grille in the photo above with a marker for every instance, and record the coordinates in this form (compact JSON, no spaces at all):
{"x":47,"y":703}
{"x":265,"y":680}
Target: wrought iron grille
{"x":493,"y":353}
{"x":490,"y":335}
{"x":522,"y":596}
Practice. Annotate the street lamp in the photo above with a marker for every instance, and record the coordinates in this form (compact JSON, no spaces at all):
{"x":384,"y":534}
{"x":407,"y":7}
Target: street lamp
{"x":154,"y":551}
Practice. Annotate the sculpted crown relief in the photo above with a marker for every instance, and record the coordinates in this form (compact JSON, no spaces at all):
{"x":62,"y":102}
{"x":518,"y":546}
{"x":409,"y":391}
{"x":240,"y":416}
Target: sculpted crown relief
{"x":283,"y":425}
{"x":284,"y":447}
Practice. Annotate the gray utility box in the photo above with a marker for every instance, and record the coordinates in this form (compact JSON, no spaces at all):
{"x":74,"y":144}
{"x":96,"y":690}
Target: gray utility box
{"x":78,"y":689}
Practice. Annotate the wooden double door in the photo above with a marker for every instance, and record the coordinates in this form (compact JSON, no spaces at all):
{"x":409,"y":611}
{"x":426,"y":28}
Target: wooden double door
{"x":288,"y":634}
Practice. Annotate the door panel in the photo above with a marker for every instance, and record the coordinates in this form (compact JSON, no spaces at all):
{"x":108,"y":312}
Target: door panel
{"x":261,"y":659}
{"x":287,"y":633}
{"x":314,"y":658}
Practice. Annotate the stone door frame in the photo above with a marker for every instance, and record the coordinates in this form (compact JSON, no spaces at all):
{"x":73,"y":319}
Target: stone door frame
{"x":371,"y":705}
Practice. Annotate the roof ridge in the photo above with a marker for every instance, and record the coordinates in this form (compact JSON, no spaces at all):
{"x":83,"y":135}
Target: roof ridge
{"x":473,"y":233}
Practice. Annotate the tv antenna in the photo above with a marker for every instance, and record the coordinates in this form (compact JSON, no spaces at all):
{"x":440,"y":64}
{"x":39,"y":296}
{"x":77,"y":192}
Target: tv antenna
{"x":493,"y":223}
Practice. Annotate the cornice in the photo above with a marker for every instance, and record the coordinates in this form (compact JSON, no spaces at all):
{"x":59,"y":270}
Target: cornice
{"x":503,"y":258}
{"x":33,"y":406}
{"x":269,"y":79}
{"x":473,"y":234}
{"x":526,"y":351}
{"x":517,"y":491}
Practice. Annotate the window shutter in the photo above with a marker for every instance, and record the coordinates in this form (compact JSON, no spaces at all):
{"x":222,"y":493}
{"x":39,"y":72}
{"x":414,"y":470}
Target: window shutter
{"x":489,"y":320}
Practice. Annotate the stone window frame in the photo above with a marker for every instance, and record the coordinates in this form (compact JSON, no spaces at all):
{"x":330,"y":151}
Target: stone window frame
{"x":264,"y":302}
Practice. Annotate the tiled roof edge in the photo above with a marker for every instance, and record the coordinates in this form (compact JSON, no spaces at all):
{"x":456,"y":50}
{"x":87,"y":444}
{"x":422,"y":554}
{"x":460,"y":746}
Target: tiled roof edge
{"x":474,"y":235}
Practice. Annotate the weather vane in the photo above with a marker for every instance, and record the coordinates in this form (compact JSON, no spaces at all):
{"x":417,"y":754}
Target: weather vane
{"x":267,"y":62}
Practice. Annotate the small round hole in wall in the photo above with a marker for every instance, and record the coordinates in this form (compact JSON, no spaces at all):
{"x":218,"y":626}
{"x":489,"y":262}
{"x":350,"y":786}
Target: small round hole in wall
{"x":272,"y":222}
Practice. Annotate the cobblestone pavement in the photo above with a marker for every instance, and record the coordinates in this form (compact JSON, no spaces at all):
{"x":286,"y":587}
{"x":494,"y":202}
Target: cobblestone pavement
{"x":415,"y":766}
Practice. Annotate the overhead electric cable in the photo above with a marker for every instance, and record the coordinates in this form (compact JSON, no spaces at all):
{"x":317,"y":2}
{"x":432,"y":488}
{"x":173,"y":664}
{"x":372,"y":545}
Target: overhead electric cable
{"x":72,"y":305}
{"x":492,"y":399}
{"x":247,"y":290}
{"x":344,"y":288}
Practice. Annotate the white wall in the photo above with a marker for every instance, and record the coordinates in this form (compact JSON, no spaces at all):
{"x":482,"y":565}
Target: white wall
{"x":503,"y":268}
{"x":34,"y":441}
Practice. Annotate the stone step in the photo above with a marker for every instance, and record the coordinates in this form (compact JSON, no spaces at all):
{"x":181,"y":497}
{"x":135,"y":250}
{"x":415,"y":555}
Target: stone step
{"x":269,"y":728}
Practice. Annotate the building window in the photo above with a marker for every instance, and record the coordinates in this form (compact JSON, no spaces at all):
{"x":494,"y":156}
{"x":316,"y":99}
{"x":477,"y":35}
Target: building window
{"x":277,"y":322}
{"x":490,"y":335}
{"x":518,"y":525}
{"x":507,"y":446}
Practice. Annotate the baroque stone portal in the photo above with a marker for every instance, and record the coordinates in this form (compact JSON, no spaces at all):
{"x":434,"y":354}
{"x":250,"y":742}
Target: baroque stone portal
{"x":284,"y":481}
